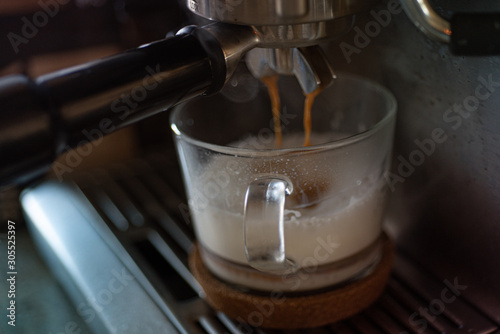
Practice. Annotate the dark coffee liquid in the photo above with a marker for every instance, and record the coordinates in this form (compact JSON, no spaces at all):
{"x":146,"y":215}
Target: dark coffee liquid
{"x":307,"y":115}
{"x":271,"y":83}
{"x":272,"y":87}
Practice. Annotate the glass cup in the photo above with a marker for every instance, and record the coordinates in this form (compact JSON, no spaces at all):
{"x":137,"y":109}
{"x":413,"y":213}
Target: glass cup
{"x":295,"y":218}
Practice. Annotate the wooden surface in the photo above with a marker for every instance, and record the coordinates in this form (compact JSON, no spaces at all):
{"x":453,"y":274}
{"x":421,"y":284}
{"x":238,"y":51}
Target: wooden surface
{"x":277,"y":310}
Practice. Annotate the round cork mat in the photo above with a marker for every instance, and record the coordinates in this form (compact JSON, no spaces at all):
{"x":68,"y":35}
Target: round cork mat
{"x":280,"y":311}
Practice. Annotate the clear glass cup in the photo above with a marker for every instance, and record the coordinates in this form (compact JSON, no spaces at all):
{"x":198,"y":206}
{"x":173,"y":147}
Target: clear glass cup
{"x":295,"y":218}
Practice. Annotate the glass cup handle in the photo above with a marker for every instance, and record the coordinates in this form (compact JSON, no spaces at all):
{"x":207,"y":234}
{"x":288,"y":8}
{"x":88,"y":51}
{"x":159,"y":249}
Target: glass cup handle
{"x":264,"y":225}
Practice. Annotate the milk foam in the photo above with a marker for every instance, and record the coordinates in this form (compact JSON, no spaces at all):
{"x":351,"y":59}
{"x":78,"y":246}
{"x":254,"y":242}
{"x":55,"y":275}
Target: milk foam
{"x":329,"y":216}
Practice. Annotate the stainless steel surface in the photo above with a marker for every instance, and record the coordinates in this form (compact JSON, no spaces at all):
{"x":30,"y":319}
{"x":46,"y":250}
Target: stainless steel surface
{"x":444,"y":210}
{"x":63,"y":225}
{"x":309,"y":65}
{"x":267,"y":62}
{"x":284,"y":26}
{"x":312,"y":69}
{"x":276,"y":12}
{"x":291,"y":8}
{"x":137,"y":216}
{"x":280,"y":24}
{"x":427,"y":20}
{"x":304,"y":34}
{"x":233,"y":41}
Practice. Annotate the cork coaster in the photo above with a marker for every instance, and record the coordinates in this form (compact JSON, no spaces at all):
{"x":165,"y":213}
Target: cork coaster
{"x":280,"y":311}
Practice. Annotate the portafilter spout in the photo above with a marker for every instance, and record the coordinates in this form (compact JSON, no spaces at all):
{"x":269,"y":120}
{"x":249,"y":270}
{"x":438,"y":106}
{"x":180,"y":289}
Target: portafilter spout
{"x":43,"y":117}
{"x":309,"y":65}
{"x":288,"y":33}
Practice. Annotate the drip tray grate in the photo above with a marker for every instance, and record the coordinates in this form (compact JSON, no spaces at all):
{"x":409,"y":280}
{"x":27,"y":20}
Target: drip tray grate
{"x":147,"y":226}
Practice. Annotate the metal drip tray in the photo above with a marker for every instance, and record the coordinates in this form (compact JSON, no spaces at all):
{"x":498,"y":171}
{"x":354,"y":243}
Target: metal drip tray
{"x":118,"y":240}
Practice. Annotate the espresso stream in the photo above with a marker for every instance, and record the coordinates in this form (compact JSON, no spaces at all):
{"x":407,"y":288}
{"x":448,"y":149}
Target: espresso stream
{"x":323,"y":203}
{"x":272,"y":87}
{"x":271,"y":83}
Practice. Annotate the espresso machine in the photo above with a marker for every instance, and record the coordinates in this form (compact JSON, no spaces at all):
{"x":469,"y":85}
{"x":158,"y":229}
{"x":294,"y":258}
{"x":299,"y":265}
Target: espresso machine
{"x":438,"y":59}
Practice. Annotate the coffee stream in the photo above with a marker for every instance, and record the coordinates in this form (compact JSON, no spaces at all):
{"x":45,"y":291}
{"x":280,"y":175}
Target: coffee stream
{"x":310,"y":97}
{"x":272,"y":87}
{"x":271,"y":83}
